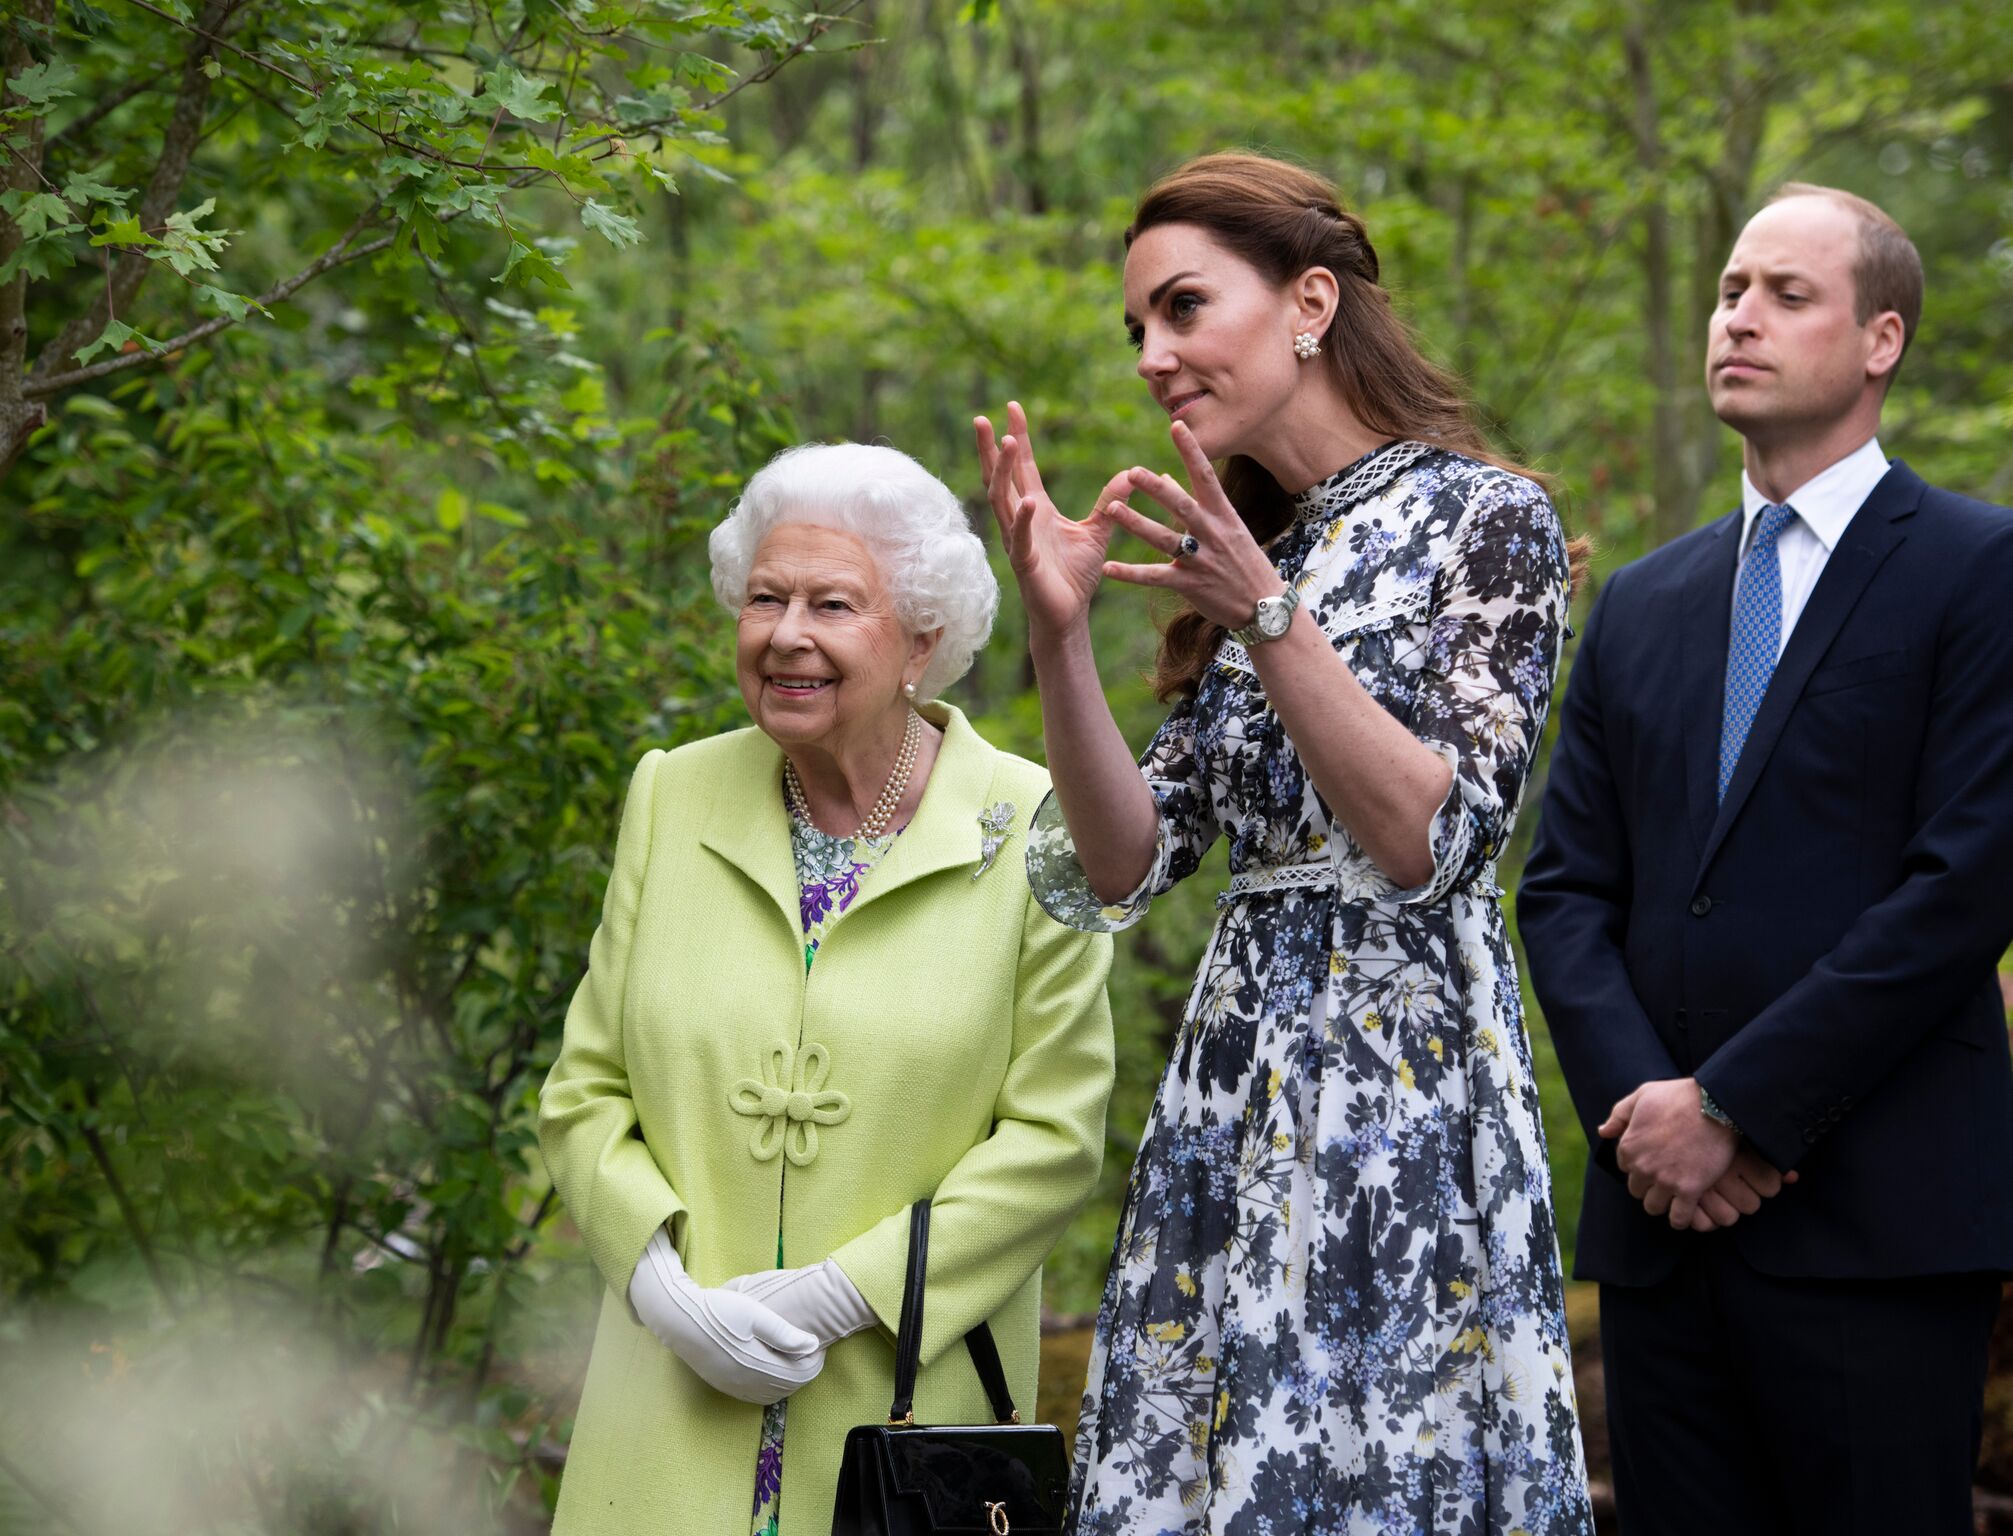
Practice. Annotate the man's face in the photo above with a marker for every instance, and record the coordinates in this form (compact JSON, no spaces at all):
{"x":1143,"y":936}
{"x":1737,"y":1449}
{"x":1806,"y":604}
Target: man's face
{"x":1785,"y":352}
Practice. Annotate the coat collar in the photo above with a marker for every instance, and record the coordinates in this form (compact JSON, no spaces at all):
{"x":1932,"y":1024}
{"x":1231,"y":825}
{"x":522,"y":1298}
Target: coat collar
{"x":749,"y":827}
{"x":1874,"y":533}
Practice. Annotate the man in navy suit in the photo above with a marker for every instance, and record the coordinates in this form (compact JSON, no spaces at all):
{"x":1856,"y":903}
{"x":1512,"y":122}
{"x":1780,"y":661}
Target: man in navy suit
{"x":1772,"y":880}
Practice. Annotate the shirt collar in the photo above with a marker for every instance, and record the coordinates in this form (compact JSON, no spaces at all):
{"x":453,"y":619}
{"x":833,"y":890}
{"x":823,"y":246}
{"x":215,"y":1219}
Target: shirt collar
{"x":1826,"y":502}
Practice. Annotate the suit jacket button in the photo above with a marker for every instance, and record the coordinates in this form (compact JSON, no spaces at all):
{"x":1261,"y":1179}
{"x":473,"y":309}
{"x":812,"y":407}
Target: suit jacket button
{"x":1700,"y":907}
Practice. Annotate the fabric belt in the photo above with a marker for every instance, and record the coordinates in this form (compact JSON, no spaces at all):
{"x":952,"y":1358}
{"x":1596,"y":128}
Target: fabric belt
{"x":1281,"y":877}
{"x":1320,"y":875}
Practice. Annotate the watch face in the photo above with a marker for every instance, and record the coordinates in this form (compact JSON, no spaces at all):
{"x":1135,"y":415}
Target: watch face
{"x":1273,"y":617}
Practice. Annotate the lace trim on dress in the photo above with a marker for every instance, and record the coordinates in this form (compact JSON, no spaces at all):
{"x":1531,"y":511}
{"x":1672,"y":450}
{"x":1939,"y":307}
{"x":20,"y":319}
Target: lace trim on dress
{"x":1371,"y":473}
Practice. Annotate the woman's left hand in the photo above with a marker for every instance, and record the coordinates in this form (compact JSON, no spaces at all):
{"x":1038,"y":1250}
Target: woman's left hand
{"x":820,"y":1300}
{"x":1224,"y":579}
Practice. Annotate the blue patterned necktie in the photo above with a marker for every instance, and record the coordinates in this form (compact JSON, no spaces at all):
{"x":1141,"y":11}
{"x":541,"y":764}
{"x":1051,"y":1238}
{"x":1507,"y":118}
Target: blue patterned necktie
{"x":1756,"y":637}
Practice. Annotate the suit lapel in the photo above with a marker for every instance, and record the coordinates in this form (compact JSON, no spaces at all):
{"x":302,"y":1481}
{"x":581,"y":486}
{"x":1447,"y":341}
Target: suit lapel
{"x":1873,"y":534}
{"x":1703,"y":627}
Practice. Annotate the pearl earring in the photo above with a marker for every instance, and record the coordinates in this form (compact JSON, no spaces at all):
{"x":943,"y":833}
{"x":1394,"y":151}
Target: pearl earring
{"x":1305,"y":346}
{"x":909,"y":689}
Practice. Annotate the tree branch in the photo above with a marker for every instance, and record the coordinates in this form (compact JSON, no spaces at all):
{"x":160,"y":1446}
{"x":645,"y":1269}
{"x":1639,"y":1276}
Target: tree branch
{"x":182,"y":136}
{"x":103,"y":1157}
{"x":38,"y":388}
{"x":77,"y":127}
{"x":55,"y":1509}
{"x":820,"y":25}
{"x":203,"y":30}
{"x":164,"y":187}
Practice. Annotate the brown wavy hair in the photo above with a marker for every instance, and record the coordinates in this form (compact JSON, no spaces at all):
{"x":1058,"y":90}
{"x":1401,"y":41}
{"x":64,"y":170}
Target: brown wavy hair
{"x":1282,"y":220}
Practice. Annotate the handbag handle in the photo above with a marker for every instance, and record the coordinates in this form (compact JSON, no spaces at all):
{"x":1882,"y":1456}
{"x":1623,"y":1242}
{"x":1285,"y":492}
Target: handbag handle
{"x":909,"y":1337}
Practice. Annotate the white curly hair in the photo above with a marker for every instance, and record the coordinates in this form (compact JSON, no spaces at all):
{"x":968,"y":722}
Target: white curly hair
{"x":911,"y":522}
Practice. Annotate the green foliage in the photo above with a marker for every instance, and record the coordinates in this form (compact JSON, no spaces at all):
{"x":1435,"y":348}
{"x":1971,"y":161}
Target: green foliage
{"x":314,"y":765}
{"x":326,"y":646}
{"x":361,"y":553}
{"x":355,"y":126}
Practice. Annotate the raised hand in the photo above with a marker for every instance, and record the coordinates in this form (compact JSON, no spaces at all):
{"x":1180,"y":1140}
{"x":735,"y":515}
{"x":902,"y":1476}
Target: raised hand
{"x":1057,"y":561}
{"x":1228,"y":572}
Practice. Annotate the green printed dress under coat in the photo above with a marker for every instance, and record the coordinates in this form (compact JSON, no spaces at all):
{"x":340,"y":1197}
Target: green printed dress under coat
{"x":686,"y":1090}
{"x":830,"y":872}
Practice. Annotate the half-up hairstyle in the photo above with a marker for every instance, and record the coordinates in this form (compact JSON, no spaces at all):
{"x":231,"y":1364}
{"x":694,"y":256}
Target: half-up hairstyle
{"x":1282,"y":220}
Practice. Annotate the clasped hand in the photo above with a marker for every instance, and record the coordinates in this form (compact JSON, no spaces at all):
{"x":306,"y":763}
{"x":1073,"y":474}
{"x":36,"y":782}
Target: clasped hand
{"x":733,"y":1342}
{"x":759,"y":1337}
{"x":1699,"y":1173}
{"x":1058,"y":562}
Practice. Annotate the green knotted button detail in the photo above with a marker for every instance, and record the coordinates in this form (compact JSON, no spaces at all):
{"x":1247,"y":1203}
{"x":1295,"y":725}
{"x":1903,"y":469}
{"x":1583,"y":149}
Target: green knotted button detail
{"x":791,"y":1101}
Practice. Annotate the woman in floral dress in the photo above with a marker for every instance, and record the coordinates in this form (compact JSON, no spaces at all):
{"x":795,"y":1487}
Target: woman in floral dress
{"x":1335,"y":1303}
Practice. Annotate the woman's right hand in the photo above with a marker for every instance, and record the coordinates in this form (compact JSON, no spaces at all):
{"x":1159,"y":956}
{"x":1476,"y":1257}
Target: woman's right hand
{"x":1056,"y":560}
{"x":733,"y":1342}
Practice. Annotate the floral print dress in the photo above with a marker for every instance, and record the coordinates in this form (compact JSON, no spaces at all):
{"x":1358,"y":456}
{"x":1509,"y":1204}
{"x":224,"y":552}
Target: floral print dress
{"x":830,"y":872}
{"x":1335,"y":1303}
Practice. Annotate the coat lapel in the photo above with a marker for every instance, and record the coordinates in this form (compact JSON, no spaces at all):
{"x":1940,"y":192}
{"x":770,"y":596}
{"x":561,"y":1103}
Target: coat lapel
{"x":944,"y":833}
{"x":1703,"y":626}
{"x":749,"y":827}
{"x":1872,"y":535}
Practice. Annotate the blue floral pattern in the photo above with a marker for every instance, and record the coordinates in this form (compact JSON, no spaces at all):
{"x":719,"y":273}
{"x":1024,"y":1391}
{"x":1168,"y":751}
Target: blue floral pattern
{"x":1335,"y":1303}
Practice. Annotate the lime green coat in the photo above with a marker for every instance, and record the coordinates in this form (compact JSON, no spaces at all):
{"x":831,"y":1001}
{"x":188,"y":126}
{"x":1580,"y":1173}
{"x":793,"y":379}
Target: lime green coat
{"x":967,"y":1057}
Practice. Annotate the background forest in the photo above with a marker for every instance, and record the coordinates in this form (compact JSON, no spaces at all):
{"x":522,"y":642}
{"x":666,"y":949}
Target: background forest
{"x":370,"y":375}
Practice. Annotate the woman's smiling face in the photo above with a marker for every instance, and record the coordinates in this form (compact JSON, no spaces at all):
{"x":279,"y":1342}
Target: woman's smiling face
{"x":820,"y":653}
{"x":1215,"y":338}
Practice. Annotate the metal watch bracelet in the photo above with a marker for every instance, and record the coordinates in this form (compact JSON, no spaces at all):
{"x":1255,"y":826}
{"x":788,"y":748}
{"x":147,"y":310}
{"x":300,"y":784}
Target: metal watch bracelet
{"x":1712,"y":1111}
{"x":1278,"y":609}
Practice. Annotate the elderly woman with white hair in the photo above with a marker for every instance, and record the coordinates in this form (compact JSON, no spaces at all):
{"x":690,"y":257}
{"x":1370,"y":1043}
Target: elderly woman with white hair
{"x":820,"y":991}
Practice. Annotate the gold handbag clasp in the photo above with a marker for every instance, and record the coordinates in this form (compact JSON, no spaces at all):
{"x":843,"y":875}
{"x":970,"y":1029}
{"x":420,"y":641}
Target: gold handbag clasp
{"x":996,"y":1517}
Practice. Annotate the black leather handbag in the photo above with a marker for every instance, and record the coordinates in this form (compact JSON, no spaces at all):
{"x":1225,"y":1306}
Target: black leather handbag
{"x":902,"y":1478}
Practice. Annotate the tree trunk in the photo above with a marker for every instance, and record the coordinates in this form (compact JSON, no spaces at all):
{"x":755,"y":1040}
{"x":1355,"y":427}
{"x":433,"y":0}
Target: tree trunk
{"x":1673,"y":504}
{"x":1730,"y":188}
{"x":18,"y":417}
{"x":1685,"y":434}
{"x":866,"y":109}
{"x":1027,"y":64}
{"x":164,"y":189}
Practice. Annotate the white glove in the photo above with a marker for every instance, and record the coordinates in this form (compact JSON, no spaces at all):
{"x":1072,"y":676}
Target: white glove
{"x":736,"y":1344}
{"x":820,"y":1300}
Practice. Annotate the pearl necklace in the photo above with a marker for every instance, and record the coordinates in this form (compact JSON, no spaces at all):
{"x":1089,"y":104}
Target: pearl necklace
{"x":876,"y":823}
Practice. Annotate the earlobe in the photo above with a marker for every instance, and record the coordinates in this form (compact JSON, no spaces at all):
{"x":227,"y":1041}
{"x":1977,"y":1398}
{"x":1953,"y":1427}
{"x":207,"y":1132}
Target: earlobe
{"x":923,"y":648}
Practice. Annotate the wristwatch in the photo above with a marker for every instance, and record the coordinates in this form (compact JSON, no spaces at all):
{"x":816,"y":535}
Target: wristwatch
{"x":1712,"y":1111}
{"x":1271,"y":620}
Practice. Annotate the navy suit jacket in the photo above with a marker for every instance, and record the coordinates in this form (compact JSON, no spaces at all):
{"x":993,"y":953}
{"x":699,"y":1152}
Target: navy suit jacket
{"x":1819,"y":949}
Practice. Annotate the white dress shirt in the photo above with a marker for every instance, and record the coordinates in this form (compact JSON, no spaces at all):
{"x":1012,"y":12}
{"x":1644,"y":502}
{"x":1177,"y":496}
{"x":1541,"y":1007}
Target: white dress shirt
{"x":1824,"y":504}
